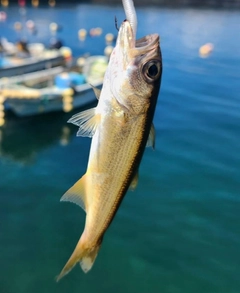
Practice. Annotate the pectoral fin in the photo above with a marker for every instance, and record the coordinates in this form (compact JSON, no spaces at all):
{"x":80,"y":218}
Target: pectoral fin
{"x":151,"y":138}
{"x":87,"y":121}
{"x":76,"y":194}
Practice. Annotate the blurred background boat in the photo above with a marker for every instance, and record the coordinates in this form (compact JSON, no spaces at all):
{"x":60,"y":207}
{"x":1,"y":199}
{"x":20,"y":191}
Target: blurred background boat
{"x":21,"y":56}
{"x":25,"y":58}
{"x":55,"y":89}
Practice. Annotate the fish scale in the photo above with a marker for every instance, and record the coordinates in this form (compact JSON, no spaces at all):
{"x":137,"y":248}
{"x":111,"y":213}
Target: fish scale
{"x":121,"y":169}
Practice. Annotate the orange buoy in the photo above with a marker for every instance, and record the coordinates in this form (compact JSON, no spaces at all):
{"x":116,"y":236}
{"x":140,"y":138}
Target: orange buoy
{"x":205,"y":50}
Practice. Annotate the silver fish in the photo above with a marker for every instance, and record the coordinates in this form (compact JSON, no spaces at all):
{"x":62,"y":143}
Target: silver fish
{"x":120,"y":127}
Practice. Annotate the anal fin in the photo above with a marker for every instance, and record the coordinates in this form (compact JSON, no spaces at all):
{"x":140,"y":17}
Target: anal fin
{"x":76,"y":194}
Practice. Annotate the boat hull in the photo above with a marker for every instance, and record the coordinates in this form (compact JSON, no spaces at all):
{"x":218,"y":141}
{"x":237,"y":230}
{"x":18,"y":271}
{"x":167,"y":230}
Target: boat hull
{"x":34,"y":106}
{"x":31,"y":66}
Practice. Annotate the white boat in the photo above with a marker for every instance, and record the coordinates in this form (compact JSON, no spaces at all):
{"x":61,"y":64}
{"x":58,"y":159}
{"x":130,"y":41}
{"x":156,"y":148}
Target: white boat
{"x":36,"y":58}
{"x":53,"y":89}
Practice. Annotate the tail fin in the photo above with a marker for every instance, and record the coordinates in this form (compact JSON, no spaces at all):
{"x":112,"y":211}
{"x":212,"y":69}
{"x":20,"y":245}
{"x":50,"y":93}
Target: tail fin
{"x":85,"y":256}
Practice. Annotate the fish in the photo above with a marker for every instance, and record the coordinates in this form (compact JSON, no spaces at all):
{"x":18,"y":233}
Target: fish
{"x":120,"y":127}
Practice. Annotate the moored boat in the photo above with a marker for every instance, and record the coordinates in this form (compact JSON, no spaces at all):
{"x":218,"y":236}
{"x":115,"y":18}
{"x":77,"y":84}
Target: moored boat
{"x":55,"y":89}
{"x":31,"y":58}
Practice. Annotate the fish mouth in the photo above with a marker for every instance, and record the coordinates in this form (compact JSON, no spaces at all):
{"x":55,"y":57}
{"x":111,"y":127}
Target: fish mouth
{"x":127,"y":40}
{"x":147,"y":43}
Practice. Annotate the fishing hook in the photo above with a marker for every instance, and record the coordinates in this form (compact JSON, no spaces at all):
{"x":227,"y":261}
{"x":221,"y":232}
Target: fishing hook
{"x":116,"y":23}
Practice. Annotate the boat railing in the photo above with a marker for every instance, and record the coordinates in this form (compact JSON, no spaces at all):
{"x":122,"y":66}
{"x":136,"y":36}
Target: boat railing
{"x":42,"y":74}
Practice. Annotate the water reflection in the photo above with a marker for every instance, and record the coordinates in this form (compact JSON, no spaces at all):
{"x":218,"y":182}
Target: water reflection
{"x":22,"y":139}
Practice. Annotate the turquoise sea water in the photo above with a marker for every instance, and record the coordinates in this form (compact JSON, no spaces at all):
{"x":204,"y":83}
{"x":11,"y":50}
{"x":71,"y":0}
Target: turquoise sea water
{"x":179,"y":231}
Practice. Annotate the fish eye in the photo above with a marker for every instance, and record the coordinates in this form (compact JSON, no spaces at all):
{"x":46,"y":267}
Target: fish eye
{"x":152,"y":70}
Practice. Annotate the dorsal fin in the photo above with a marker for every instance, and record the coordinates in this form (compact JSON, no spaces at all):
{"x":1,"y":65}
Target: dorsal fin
{"x":151,"y":138}
{"x":134,"y":182}
{"x":97,"y":91}
{"x":87,"y":121}
{"x":76,"y":194}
